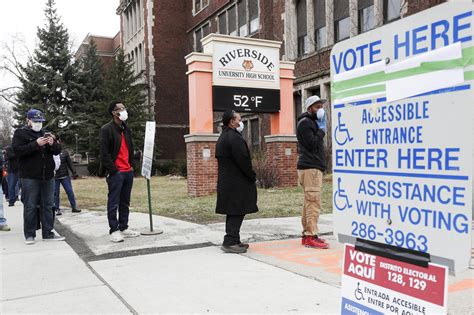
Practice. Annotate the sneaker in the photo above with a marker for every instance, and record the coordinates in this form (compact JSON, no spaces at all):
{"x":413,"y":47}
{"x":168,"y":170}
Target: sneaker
{"x":11,"y":204}
{"x":58,"y":212}
{"x":5,"y":228}
{"x":303,"y":240}
{"x":130,"y":233}
{"x":313,"y":243}
{"x":244,"y":245}
{"x":233,"y":249}
{"x":319,"y":239}
{"x":116,"y":237}
{"x":76,"y":210}
{"x":30,"y":240}
{"x":54,"y":237}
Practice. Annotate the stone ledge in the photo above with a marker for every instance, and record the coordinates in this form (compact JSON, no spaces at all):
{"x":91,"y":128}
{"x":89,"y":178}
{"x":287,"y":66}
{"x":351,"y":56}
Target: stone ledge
{"x":280,"y":138}
{"x":211,"y":137}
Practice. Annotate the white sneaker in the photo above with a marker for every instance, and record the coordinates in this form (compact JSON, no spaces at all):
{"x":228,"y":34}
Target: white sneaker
{"x":130,"y":233}
{"x":116,"y":237}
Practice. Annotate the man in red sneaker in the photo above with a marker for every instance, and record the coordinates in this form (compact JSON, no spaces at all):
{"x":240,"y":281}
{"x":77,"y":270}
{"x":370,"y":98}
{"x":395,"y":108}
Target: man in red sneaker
{"x":310,"y":132}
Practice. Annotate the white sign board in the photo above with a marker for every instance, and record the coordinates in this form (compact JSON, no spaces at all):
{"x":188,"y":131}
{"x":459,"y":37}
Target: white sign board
{"x":403,"y":134}
{"x":148,"y":149}
{"x":378,"y":285}
{"x":245,"y":65}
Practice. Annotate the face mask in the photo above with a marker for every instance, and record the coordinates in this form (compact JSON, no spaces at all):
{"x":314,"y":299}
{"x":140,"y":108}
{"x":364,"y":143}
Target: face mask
{"x":320,"y":113}
{"x":240,"y":128}
{"x":123,"y":115}
{"x":36,"y":126}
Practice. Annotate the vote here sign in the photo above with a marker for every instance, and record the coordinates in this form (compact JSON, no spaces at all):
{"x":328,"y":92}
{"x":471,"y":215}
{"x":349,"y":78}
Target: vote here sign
{"x":402,"y":120}
{"x":377,"y":285}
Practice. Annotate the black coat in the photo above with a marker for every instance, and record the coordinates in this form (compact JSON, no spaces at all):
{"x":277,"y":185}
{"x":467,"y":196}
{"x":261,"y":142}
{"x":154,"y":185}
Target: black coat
{"x":110,"y":142}
{"x":236,"y":189}
{"x":65,"y":166}
{"x":310,"y":144}
{"x":12,"y":160}
{"x":35,"y":162}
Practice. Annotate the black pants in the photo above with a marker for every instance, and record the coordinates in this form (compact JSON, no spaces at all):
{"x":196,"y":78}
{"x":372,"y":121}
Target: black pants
{"x":120,"y":189}
{"x":232,"y":229}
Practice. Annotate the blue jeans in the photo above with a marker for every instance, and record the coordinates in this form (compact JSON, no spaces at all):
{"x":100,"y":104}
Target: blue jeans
{"x":3,"y":221}
{"x":13,"y":187}
{"x":67,"y":185}
{"x":120,"y":189}
{"x":35,"y":191}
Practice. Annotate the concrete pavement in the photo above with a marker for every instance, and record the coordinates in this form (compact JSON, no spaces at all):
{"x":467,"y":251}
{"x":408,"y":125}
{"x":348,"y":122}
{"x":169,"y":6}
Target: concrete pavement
{"x":180,"y":271}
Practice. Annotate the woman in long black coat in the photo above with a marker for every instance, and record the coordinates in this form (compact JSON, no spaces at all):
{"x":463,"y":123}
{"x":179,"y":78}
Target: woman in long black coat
{"x":236,"y":189}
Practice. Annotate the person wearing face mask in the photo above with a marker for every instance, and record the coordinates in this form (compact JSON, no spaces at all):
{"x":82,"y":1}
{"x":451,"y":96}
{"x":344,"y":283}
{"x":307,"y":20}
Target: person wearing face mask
{"x":236,"y":189}
{"x":310,"y":132}
{"x":34,"y":149}
{"x":116,"y":159}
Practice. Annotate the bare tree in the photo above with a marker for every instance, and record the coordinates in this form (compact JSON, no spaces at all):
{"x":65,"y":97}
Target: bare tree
{"x":6,"y":123}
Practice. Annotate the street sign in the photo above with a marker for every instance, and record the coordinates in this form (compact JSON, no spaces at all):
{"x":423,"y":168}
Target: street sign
{"x":403,"y":134}
{"x":148,"y":149}
{"x":377,"y":285}
{"x":245,"y":74}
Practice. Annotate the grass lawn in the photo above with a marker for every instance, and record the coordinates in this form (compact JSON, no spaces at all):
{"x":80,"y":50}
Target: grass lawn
{"x":170,"y":199}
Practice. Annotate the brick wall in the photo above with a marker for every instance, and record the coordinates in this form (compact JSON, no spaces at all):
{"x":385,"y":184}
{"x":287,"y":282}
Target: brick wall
{"x":202,"y":172}
{"x":285,"y":165}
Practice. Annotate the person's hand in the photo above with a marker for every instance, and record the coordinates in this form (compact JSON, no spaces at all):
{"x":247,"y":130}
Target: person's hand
{"x":75,"y":176}
{"x":50,"y":140}
{"x":42,"y":141}
{"x":322,"y":123}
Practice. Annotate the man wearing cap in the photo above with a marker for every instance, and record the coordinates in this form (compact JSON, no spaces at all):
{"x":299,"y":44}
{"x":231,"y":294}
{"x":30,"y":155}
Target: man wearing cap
{"x":311,"y":129}
{"x":34,"y":149}
{"x":116,"y":158}
{"x":236,"y":189}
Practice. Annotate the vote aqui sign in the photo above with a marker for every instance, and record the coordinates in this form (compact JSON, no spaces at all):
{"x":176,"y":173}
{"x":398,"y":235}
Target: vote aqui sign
{"x":377,"y":285}
{"x":402,"y":120}
{"x":245,"y":73}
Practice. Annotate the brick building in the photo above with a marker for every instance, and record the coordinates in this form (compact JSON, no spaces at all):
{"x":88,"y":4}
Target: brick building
{"x":158,"y":34}
{"x":107,"y":47}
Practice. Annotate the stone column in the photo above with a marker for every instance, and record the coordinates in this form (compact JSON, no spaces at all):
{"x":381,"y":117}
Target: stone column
{"x":290,"y":35}
{"x":201,"y":142}
{"x":330,"y":22}
{"x":354,"y":17}
{"x":378,"y":10}
{"x":310,"y":25}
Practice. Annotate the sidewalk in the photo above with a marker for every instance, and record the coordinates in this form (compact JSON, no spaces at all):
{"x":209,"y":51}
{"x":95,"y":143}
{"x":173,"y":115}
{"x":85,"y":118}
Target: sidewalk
{"x":47,"y":277}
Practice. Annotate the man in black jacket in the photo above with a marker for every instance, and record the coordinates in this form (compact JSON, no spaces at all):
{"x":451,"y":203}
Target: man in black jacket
{"x":236,"y":189}
{"x":311,"y":129}
{"x":116,"y":157}
{"x":12,"y":176}
{"x":62,"y":178}
{"x":35,"y":148}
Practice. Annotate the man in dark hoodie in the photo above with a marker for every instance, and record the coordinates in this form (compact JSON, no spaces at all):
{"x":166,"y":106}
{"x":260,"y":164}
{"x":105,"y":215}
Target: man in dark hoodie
{"x":34,"y":149}
{"x":310,"y":132}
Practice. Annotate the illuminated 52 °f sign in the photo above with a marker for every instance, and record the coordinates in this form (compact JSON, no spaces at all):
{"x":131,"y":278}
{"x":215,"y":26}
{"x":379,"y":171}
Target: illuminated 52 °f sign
{"x":246,"y":73}
{"x":403,"y":134}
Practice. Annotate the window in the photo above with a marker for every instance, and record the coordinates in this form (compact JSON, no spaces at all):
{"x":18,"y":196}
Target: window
{"x":255,"y":134}
{"x":245,"y":132}
{"x":232,"y":16}
{"x":320,"y":29}
{"x":240,"y":19}
{"x":366,"y":15}
{"x":243,"y":26}
{"x":254,"y":16}
{"x":303,"y":44}
{"x":199,"y":5}
{"x":391,"y":10}
{"x":199,"y":34}
{"x":222,"y":23}
{"x":342,"y":23}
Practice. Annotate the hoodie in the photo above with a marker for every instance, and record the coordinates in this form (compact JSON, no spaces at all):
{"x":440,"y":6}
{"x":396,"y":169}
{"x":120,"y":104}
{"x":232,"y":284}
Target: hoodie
{"x":310,"y":143}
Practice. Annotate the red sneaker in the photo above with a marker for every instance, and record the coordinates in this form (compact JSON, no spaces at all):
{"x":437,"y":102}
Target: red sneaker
{"x":303,"y":240}
{"x":319,"y":239}
{"x":313,"y":243}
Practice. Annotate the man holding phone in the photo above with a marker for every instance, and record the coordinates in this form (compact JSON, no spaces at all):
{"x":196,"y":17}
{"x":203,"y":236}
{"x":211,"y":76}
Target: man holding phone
{"x":35,"y":149}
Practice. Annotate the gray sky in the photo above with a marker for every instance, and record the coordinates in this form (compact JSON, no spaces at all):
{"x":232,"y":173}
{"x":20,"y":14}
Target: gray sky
{"x":22,"y":17}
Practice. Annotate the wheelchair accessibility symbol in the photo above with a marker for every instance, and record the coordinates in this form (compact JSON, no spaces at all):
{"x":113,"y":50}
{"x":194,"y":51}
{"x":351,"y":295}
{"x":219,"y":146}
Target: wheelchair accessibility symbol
{"x":341,"y":201}
{"x":358,"y":293}
{"x":341,"y":133}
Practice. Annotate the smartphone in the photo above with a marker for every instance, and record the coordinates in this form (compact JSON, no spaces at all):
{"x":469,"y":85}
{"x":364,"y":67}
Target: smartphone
{"x":48,"y":134}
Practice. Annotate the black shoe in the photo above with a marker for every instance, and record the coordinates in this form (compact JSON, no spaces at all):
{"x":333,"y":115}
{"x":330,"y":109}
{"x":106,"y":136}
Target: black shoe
{"x":58,"y":212}
{"x":11,"y":204}
{"x":233,"y":249}
{"x":244,"y":245}
{"x":76,"y":210}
